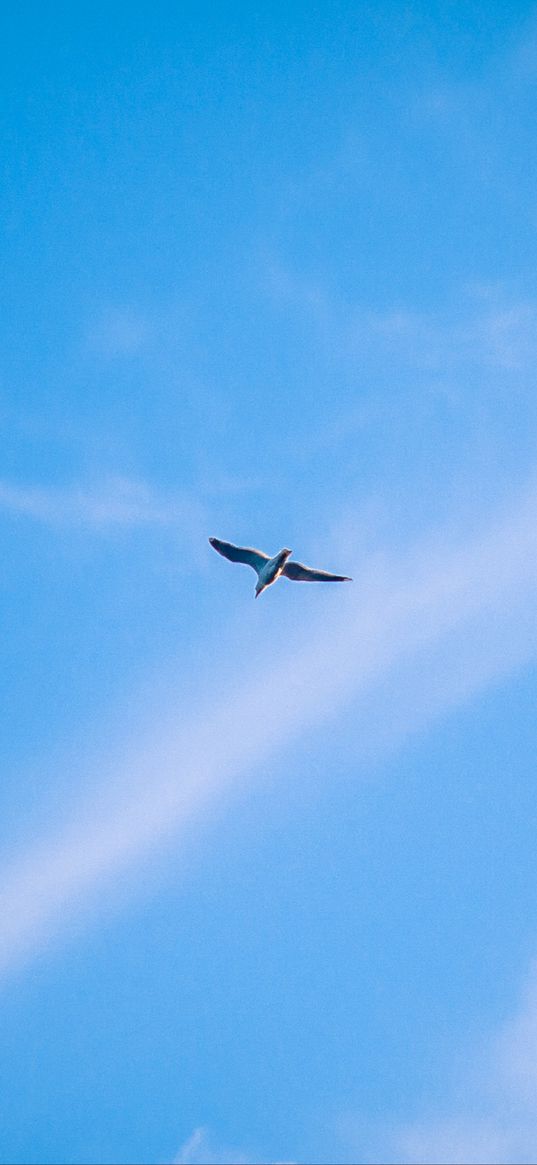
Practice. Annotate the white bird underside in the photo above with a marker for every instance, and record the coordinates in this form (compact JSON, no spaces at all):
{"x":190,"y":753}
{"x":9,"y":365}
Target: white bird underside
{"x":279,"y":565}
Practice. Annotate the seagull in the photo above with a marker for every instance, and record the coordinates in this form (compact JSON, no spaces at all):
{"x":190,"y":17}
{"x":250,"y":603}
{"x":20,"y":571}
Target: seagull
{"x":269,"y":569}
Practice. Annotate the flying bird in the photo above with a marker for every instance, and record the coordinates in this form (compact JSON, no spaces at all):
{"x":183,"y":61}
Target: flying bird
{"x":269,"y":569}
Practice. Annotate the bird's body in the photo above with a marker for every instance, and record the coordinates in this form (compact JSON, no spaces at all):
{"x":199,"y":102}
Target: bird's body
{"x":269,"y":569}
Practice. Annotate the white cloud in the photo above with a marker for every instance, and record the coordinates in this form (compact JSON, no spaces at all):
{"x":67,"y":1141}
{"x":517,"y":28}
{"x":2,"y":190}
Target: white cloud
{"x":115,"y":501}
{"x":487,"y":326}
{"x":495,"y":1116}
{"x":499,"y":334}
{"x":463,"y":1141}
{"x":416,"y":635}
{"x":199,"y":1150}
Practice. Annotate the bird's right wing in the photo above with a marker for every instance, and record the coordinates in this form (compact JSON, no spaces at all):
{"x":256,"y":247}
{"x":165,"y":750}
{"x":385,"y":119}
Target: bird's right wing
{"x":246,"y":554}
{"x":299,"y":573}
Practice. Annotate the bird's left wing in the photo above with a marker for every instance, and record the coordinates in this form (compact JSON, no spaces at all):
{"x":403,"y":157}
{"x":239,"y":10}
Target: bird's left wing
{"x":299,"y":573}
{"x":246,"y":554}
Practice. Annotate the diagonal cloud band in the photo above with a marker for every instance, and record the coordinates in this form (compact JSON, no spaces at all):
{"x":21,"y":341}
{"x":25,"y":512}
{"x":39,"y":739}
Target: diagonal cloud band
{"x":416,"y":636}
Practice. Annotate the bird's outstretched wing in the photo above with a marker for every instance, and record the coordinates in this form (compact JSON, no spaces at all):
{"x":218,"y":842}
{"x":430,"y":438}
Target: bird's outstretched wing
{"x":299,"y":573}
{"x":246,"y":554}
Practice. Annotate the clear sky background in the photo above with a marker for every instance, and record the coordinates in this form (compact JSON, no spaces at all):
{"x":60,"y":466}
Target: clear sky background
{"x":267,"y":870}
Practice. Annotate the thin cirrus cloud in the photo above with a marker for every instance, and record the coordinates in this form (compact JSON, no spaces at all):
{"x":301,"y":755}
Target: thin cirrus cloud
{"x":116,"y":501}
{"x":494,"y":1116}
{"x":488,"y":327}
{"x":493,"y":333}
{"x":418,"y":634}
{"x":198,"y":1149}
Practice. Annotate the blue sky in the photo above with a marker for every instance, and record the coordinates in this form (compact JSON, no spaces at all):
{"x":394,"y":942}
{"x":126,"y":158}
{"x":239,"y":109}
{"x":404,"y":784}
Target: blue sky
{"x":268,"y":869}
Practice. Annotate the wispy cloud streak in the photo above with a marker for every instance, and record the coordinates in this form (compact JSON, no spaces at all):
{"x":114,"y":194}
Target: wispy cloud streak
{"x":116,"y":501}
{"x":494,"y":1117}
{"x":198,"y":1150}
{"x":487,"y":327}
{"x":416,"y":635}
